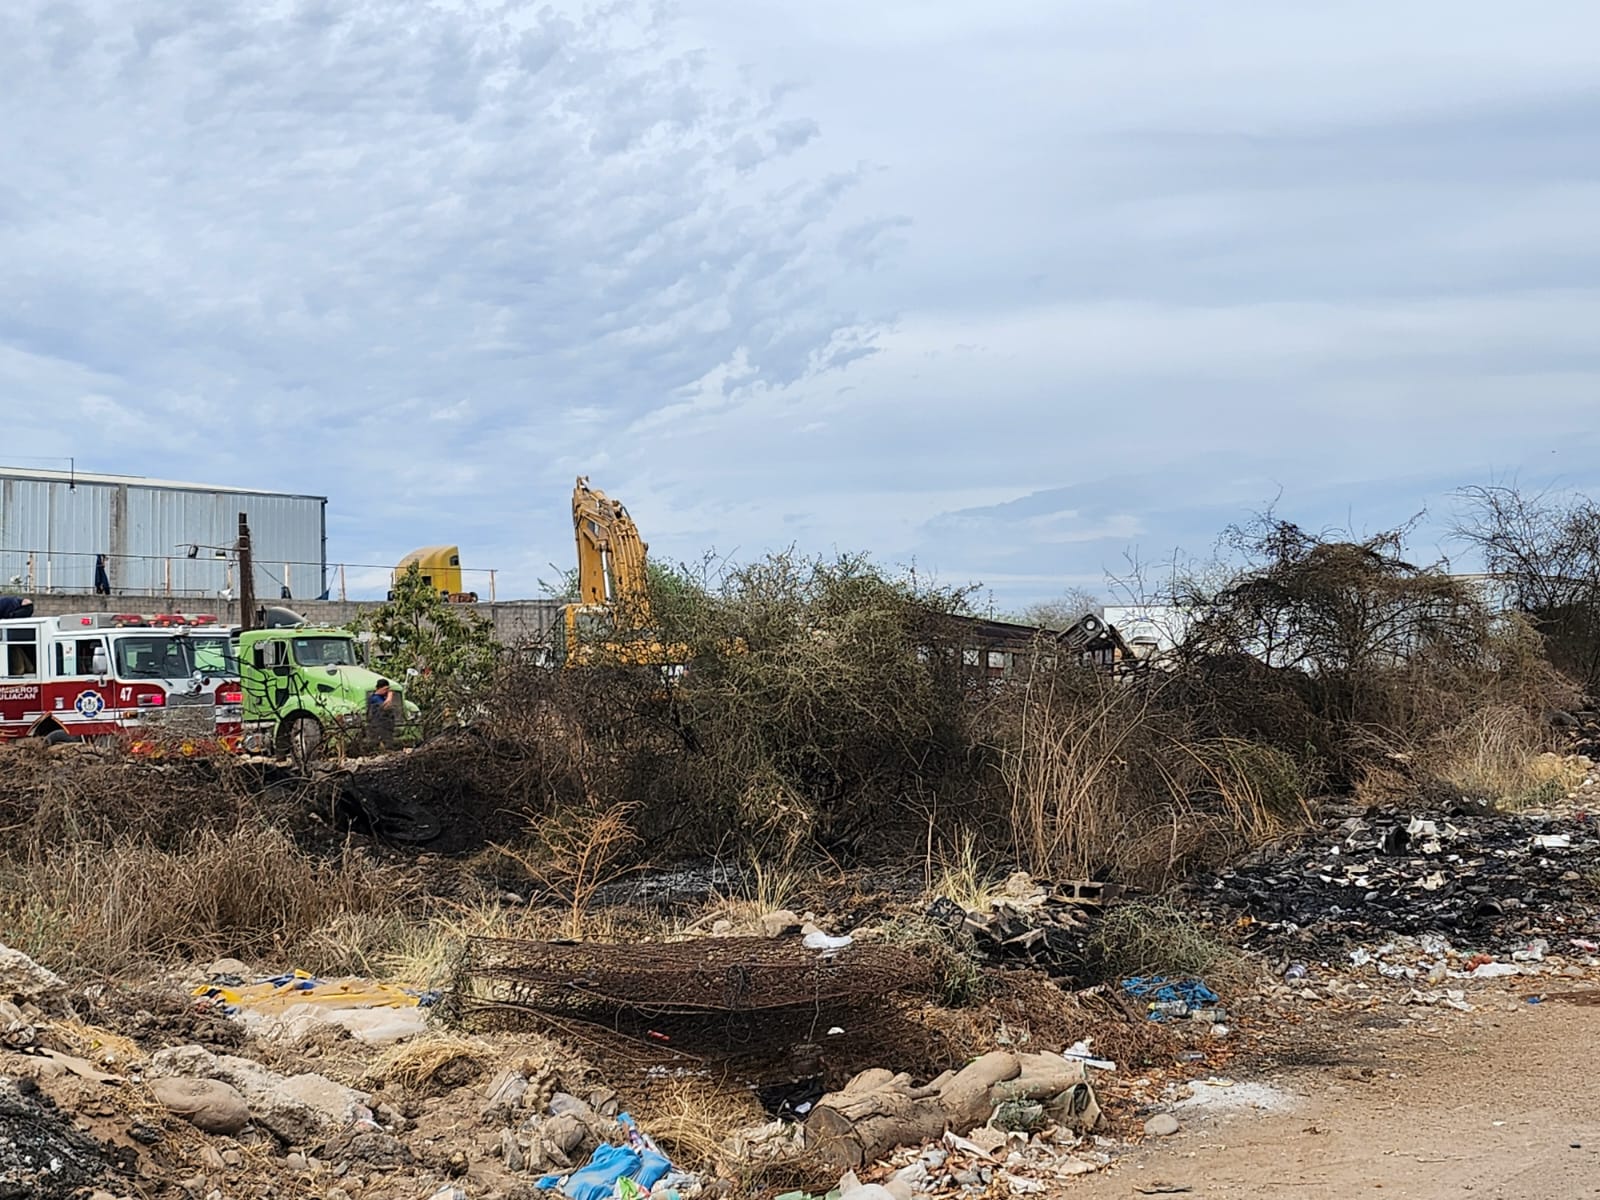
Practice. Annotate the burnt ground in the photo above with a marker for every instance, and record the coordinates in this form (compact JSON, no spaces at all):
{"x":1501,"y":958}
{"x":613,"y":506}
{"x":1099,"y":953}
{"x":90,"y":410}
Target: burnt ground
{"x":42,"y":1155}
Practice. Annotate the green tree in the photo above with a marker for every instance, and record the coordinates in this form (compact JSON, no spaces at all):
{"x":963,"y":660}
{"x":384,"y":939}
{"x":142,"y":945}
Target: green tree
{"x":443,"y":655}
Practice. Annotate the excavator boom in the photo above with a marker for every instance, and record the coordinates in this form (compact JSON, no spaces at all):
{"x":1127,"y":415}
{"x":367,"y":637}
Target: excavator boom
{"x":611,"y":555}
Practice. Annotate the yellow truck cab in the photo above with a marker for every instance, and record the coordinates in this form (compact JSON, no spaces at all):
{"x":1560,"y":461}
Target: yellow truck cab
{"x":440,"y":567}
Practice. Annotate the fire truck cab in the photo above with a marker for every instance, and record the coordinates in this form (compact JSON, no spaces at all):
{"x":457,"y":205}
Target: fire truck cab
{"x":147,"y":679}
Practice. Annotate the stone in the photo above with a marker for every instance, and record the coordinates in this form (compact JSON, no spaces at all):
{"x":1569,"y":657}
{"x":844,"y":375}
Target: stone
{"x":16,"y":1031}
{"x":23,"y":979}
{"x":776,"y":923}
{"x":227,"y":966}
{"x":296,"y":1110}
{"x":210,"y":1105}
{"x":1162,"y":1125}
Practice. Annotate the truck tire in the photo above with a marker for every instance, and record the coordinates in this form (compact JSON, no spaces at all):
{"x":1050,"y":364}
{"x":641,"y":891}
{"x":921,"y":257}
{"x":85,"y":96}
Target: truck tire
{"x":57,"y":737}
{"x":305,"y":739}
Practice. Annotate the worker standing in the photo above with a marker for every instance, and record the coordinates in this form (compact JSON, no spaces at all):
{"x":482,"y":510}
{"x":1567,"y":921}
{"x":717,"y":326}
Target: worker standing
{"x":382,"y":706}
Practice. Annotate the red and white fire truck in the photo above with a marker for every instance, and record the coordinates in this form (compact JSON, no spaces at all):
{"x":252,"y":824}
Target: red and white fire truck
{"x":152,"y":680}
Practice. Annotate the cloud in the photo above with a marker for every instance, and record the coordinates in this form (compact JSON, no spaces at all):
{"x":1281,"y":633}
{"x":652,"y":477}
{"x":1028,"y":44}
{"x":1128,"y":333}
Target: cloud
{"x":1011,"y":291}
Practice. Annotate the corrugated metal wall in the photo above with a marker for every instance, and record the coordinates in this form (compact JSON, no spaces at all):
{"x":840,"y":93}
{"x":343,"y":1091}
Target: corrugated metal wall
{"x":145,"y":530}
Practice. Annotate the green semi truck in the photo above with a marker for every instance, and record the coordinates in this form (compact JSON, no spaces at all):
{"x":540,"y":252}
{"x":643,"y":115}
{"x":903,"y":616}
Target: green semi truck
{"x":304,"y":687}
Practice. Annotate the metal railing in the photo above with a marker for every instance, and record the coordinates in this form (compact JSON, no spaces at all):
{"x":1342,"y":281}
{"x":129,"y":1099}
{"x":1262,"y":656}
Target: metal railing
{"x":199,"y":572}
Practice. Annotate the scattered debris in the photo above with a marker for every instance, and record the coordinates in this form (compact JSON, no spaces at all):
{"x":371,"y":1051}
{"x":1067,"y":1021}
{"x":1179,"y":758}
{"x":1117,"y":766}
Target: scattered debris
{"x":1031,"y":924}
{"x":1486,"y":879}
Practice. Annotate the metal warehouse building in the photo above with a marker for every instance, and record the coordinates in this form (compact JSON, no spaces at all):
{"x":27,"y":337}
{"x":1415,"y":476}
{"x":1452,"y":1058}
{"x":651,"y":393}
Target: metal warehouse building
{"x":158,"y":538}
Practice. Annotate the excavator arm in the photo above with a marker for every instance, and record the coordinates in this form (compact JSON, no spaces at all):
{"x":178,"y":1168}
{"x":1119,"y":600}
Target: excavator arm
{"x":611,"y":556}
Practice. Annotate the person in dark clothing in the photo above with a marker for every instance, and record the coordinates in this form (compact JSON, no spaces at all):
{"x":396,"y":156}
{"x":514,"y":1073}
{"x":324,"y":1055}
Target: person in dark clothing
{"x":102,"y":577}
{"x":15,"y":606}
{"x":383,"y":705}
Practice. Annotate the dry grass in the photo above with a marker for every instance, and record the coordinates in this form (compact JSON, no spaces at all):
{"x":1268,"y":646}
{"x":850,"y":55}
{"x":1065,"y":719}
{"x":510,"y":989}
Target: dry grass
{"x":965,"y":877}
{"x":1161,"y":939}
{"x":96,"y":1044}
{"x":690,"y":1118}
{"x":1502,"y":754}
{"x":433,"y":1062}
{"x":1107,"y":778}
{"x":106,"y":908}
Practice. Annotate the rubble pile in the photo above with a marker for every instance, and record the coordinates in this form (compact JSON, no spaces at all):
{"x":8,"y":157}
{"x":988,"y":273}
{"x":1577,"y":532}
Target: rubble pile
{"x":1486,"y":880}
{"x":1031,"y":924}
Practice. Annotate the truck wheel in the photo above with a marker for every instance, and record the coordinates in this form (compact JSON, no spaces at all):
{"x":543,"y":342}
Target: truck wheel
{"x":305,"y":739}
{"x":57,"y":737}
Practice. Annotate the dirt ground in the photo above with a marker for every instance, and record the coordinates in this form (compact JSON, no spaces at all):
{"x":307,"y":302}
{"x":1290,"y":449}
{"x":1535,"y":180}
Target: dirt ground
{"x":1502,"y":1103}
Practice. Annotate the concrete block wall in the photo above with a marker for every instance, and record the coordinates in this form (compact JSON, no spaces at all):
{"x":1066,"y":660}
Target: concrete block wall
{"x":516,"y":622}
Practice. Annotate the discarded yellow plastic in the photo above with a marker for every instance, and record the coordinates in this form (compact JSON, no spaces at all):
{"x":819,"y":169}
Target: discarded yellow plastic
{"x":277,"y":995}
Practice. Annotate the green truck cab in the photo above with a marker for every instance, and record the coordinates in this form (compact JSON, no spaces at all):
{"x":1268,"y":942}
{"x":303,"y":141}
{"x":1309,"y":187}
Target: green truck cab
{"x":302,"y":688}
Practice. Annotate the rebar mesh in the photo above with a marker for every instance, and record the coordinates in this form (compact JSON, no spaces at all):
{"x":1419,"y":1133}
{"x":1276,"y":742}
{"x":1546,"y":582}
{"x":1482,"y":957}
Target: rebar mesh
{"x":711,"y":975}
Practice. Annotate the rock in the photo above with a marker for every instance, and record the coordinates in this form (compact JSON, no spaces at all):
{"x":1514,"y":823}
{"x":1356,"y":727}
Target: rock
{"x":296,"y":1110}
{"x":232,"y":1158}
{"x":296,"y":1162}
{"x":16,"y":1032}
{"x":210,"y":1105}
{"x":23,"y":979}
{"x":227,"y":966}
{"x":368,"y":1146}
{"x":1162,"y":1125}
{"x":773,"y":924}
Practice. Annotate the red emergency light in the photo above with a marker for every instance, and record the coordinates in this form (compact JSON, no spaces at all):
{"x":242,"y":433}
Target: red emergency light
{"x":153,"y":700}
{"x":235,"y":697}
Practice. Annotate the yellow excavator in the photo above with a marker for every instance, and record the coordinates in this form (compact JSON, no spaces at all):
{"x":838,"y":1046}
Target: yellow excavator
{"x":613,"y":618}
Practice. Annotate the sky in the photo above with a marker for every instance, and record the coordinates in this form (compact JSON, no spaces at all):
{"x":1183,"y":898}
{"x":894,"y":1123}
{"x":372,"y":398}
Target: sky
{"x":1015,"y":293}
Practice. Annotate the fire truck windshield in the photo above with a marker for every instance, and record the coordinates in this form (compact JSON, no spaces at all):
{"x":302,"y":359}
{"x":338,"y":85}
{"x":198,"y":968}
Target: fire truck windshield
{"x":324,"y":652}
{"x":167,"y":656}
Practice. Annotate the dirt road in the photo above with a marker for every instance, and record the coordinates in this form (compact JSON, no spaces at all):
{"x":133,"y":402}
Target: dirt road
{"x":1501,"y":1103}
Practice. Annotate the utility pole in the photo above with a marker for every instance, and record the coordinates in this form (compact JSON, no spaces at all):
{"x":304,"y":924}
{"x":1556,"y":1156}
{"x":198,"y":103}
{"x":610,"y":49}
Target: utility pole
{"x":247,"y":578}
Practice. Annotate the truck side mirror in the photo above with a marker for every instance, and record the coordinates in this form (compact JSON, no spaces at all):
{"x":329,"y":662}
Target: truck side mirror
{"x":99,"y":664}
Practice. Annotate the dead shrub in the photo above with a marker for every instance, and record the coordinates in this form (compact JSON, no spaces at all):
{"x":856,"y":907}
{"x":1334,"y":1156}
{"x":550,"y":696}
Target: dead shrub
{"x":572,"y":853}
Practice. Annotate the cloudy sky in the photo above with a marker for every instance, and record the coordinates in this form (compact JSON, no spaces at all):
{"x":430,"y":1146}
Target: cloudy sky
{"x":1010,"y":291}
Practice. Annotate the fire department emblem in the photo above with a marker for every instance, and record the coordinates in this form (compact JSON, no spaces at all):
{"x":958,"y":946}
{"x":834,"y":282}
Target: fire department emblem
{"x":89,"y":703}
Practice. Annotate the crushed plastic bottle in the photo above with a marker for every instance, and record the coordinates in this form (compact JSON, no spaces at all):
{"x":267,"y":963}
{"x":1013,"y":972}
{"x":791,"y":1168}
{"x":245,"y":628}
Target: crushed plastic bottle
{"x":1295,"y":971}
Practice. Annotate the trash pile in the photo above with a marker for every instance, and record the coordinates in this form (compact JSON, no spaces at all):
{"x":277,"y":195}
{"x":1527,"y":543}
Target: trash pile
{"x":1028,"y":1116}
{"x":1031,"y":924}
{"x":1486,"y":880}
{"x":1019,"y":1163}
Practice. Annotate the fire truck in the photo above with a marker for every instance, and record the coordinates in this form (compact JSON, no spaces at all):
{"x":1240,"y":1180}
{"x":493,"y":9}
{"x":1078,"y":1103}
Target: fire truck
{"x":151,"y":680}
